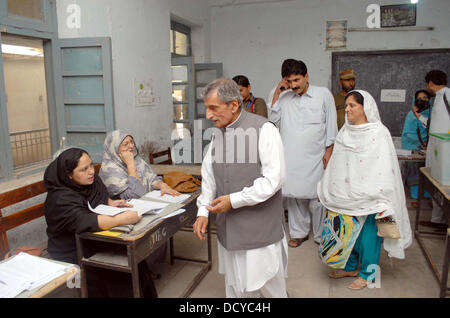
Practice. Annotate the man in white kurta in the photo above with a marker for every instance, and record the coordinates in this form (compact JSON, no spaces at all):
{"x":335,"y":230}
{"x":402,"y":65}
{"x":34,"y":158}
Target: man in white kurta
{"x":440,"y":123}
{"x":249,"y":272}
{"x":308,"y":129}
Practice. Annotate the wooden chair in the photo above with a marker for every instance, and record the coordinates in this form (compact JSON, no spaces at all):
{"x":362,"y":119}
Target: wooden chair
{"x":97,"y":167}
{"x":153,"y":155}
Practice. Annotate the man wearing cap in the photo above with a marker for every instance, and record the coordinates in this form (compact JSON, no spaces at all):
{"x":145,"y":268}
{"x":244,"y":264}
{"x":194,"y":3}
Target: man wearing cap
{"x":347,"y":84}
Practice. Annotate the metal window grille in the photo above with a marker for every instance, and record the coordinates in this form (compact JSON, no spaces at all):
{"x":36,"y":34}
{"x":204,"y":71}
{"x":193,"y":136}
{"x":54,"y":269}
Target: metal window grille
{"x":30,"y":147}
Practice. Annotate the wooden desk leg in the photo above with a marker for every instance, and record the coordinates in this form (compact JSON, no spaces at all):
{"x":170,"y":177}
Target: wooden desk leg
{"x":419,"y":201}
{"x":208,"y":237}
{"x":171,"y":250}
{"x":134,"y":271}
{"x":84,"y":291}
{"x":444,"y":275}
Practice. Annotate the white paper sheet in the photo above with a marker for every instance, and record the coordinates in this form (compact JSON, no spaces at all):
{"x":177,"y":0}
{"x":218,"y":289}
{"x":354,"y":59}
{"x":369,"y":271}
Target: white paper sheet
{"x":25,"y":272}
{"x":107,"y":210}
{"x":403,"y":152}
{"x":174,"y":213}
{"x":156,"y":194}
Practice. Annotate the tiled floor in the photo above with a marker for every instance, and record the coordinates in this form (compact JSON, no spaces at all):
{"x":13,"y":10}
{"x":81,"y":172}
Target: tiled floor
{"x":307,"y":275}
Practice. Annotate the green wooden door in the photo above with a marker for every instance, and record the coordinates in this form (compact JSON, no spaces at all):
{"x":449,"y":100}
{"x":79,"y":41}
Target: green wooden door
{"x":84,"y":93}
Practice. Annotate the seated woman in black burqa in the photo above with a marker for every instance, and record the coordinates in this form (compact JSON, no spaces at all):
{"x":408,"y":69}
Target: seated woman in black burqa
{"x":71,"y":183}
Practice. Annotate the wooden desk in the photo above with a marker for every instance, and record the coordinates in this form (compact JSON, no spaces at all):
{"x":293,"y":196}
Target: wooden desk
{"x":55,"y":285}
{"x":126,"y":251}
{"x":415,"y":156}
{"x":441,"y":196}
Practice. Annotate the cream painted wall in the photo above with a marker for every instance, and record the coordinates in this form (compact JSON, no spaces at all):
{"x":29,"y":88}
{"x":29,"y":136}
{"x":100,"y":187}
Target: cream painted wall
{"x":253,"y":39}
{"x":25,"y":93}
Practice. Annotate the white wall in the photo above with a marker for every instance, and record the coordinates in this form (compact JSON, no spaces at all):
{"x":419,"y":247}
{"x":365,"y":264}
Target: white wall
{"x":139,"y":31}
{"x":253,"y":39}
{"x":19,"y":73}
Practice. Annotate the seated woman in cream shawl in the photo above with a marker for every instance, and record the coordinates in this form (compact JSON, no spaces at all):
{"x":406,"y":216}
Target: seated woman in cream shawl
{"x":125,"y":174}
{"x":362,"y":183}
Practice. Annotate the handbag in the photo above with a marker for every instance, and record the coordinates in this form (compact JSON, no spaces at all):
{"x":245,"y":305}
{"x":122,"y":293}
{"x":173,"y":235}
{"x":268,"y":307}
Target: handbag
{"x":387,"y":228}
{"x":181,"y":182}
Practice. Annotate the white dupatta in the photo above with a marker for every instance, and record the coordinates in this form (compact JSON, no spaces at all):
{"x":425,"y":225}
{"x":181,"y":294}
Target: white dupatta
{"x":363,"y":176}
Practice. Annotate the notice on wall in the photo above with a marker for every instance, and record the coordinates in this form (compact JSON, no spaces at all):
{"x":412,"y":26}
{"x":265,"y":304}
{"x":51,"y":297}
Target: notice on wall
{"x":143,"y":92}
{"x":336,"y":34}
{"x":393,"y":95}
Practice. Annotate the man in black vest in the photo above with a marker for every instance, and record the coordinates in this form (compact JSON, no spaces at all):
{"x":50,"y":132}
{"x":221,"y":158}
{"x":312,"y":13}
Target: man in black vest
{"x":242,"y":173}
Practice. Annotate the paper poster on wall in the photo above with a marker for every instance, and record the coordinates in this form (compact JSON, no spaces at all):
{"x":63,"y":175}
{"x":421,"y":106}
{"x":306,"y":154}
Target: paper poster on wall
{"x":336,"y":34}
{"x":393,"y":95}
{"x":143,"y":92}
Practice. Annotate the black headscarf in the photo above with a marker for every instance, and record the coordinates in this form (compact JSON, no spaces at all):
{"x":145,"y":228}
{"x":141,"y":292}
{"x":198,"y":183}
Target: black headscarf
{"x":66,"y":206}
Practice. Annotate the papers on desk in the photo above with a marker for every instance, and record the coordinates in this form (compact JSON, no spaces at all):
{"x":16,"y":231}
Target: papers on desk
{"x":25,"y":272}
{"x":174,"y":213}
{"x":156,"y":194}
{"x":403,"y":152}
{"x":141,"y":206}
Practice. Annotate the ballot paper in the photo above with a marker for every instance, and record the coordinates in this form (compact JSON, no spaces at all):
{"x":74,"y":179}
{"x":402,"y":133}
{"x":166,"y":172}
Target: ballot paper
{"x":25,"y":272}
{"x":140,"y":206}
{"x":107,"y":210}
{"x":403,"y":152}
{"x":145,"y":206}
{"x":156,"y":194}
{"x":174,"y":213}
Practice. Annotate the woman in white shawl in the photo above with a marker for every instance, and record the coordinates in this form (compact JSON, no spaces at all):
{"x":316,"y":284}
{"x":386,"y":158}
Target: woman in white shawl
{"x":362,"y":183}
{"x":125,"y":174}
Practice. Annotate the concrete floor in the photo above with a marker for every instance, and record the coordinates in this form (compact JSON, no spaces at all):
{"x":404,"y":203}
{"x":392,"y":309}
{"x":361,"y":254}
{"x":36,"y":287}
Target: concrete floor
{"x":307,"y":275}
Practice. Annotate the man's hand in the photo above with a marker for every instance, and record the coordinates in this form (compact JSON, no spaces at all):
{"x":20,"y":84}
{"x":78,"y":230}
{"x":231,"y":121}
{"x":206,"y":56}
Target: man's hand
{"x":200,"y":227}
{"x":220,"y":205}
{"x":327,"y":156}
{"x":282,"y":86}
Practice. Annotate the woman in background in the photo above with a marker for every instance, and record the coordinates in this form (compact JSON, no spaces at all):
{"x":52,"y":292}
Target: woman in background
{"x":127,"y":176}
{"x":415,"y":137}
{"x":249,"y":102}
{"x":362,"y":183}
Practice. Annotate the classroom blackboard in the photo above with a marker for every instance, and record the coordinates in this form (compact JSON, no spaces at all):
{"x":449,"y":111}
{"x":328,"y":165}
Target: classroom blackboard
{"x":399,"y":69}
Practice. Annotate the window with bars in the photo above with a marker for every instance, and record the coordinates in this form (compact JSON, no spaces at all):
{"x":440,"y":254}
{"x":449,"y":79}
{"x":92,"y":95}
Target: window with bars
{"x":180,"y":39}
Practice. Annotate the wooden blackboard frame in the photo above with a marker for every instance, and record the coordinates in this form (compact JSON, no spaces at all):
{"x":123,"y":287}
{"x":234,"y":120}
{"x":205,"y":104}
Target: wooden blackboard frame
{"x":339,"y":58}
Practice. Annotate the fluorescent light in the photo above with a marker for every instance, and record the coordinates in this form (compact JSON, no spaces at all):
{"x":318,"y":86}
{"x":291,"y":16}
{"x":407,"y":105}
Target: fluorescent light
{"x":21,"y":50}
{"x":414,"y":1}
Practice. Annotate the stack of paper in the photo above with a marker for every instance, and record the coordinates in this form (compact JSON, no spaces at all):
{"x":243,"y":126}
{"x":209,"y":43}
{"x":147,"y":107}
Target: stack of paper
{"x":403,"y":152}
{"x":25,"y":272}
{"x":156,"y":194}
{"x":140,"y":206}
{"x":179,"y":211}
